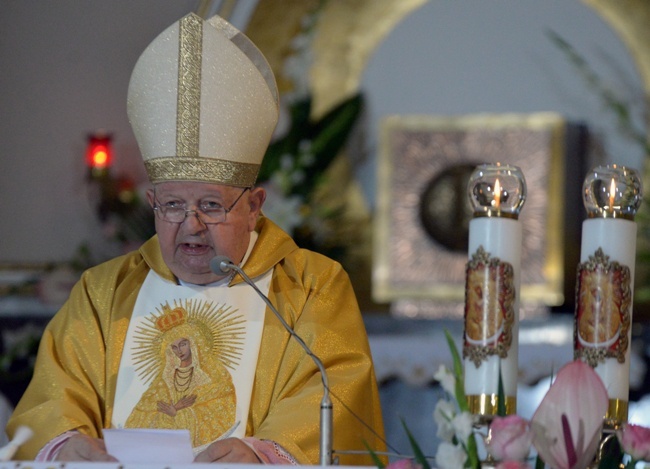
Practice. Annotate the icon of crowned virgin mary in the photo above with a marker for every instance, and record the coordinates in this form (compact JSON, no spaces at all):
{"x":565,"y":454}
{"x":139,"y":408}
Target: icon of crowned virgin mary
{"x":190,"y":385}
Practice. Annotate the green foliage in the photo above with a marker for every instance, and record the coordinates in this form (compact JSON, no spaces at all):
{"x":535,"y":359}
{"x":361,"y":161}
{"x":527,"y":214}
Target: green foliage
{"x":420,"y":458}
{"x":458,"y":372}
{"x":611,"y":101}
{"x":325,"y":138}
{"x":296,"y":166}
{"x":472,"y":451}
{"x":375,"y":458}
{"x":501,"y":397}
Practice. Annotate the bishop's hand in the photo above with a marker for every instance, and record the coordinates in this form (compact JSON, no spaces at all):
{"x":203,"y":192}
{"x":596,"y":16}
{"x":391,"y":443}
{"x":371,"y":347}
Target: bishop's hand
{"x":229,"y":450}
{"x":81,"y":447}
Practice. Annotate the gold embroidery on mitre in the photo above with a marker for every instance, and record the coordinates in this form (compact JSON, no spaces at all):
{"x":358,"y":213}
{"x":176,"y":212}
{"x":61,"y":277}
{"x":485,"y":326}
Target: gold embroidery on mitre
{"x":212,"y":170}
{"x":217,"y":330}
{"x":188,"y":113}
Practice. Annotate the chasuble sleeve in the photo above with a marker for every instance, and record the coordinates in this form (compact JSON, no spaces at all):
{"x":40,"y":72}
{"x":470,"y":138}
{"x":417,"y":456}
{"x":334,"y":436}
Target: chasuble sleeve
{"x":73,"y":373}
{"x":316,"y":297}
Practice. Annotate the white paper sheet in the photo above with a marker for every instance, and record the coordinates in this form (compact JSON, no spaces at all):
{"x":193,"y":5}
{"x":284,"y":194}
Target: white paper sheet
{"x":142,"y":445}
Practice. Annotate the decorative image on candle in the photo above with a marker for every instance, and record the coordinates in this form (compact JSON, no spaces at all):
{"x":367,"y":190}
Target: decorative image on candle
{"x":490,"y":345}
{"x":605,"y":285}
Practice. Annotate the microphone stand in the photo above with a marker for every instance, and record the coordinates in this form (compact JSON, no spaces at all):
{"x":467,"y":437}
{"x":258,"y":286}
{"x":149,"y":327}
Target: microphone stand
{"x":222,"y":264}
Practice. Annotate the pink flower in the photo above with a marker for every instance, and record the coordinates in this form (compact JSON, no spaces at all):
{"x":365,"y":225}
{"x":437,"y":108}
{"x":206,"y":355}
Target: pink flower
{"x":404,"y":464}
{"x":635,"y":441}
{"x":512,"y":465}
{"x":510,"y":438}
{"x":567,"y":424}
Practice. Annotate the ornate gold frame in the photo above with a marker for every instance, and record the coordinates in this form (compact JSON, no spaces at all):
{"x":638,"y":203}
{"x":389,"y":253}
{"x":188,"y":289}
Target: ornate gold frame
{"x":416,"y":149}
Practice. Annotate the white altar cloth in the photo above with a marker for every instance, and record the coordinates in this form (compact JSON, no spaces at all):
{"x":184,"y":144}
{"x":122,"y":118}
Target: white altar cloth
{"x":412,"y":350}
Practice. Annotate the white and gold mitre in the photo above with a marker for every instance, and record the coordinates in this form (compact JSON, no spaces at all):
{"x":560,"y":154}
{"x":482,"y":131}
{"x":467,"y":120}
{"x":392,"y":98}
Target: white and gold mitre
{"x":203,"y":104}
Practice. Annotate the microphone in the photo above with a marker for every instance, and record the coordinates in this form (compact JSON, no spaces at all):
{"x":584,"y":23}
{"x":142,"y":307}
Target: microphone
{"x":222,"y":265}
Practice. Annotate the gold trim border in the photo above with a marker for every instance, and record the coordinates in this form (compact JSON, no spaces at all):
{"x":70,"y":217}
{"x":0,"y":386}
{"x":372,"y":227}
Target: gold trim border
{"x":487,"y":405}
{"x":230,"y":173}
{"x":616,"y":413}
{"x":188,"y":112}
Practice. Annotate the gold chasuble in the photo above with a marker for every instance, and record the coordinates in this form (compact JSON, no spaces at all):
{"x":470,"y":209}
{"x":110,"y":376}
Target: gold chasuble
{"x":75,"y":384}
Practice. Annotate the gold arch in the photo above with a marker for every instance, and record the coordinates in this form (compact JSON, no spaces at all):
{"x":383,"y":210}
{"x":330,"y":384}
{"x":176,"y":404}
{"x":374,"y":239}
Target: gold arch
{"x":349,"y":31}
{"x":630,"y":20}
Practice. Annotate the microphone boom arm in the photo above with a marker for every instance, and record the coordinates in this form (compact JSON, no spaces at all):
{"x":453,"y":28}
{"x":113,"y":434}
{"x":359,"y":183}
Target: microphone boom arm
{"x":326,"y":423}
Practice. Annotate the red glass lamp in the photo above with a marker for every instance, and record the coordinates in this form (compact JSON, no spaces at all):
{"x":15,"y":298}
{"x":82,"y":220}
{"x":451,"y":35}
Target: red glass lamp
{"x":99,"y":154}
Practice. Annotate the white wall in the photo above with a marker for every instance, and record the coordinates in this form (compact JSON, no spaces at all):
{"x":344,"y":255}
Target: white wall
{"x":65,"y":66}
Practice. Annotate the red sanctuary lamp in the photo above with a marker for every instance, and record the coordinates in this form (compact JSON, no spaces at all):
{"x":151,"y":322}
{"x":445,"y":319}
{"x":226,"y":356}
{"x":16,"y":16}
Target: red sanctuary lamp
{"x":99,"y":155}
{"x":99,"y":159}
{"x":115,"y":196}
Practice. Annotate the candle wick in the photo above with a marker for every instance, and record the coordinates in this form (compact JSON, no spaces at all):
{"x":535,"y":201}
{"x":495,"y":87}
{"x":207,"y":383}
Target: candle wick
{"x":612,"y":195}
{"x":497,"y":194}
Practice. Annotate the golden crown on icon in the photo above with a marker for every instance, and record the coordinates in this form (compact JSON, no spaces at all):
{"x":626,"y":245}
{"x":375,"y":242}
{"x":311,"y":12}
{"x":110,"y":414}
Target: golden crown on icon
{"x":170,"y":318}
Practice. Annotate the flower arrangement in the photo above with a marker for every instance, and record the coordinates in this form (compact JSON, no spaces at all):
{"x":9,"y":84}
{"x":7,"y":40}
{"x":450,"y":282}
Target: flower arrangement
{"x":566,"y":429}
{"x":296,"y":170}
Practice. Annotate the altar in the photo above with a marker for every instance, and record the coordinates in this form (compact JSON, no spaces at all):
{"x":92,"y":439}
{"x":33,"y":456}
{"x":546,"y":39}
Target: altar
{"x":407,"y":352}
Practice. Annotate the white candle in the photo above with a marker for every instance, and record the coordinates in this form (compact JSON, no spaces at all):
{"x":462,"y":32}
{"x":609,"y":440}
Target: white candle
{"x":490,"y":343}
{"x":605,"y":288}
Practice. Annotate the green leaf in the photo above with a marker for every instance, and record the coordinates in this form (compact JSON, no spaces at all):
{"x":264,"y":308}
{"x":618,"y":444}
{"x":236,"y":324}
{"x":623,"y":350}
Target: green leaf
{"x":610,"y":100}
{"x":539,"y":464}
{"x":501,"y":397}
{"x":472,"y":454}
{"x":331,"y":132}
{"x":376,"y":459}
{"x":301,"y":112}
{"x":420,"y":458}
{"x":458,"y":372}
{"x":328,"y":136}
{"x":300,"y":129}
{"x":271,"y":162}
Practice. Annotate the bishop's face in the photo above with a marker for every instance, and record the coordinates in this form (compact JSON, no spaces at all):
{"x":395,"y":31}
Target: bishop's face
{"x":187,"y":247}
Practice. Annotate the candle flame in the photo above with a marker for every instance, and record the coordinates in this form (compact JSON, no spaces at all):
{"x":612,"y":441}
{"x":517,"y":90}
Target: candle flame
{"x":497,"y":194}
{"x":612,"y":194}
